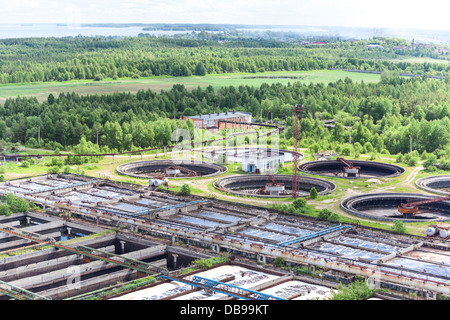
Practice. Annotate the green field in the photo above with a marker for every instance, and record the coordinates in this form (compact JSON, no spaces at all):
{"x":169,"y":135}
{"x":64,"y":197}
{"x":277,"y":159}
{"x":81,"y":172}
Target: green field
{"x":42,"y":90}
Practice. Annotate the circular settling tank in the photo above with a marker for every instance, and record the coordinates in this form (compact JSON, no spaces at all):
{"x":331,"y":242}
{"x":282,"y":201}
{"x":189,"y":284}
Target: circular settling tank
{"x":436,"y":184}
{"x":264,"y":186}
{"x":361,"y":169}
{"x":385,"y":207}
{"x":170,"y":169}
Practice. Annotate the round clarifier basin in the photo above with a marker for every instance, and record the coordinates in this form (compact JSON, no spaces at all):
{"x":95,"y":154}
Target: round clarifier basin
{"x":436,"y":184}
{"x":171,"y":169}
{"x":384,"y":207}
{"x":367,"y":169}
{"x":254,"y":185}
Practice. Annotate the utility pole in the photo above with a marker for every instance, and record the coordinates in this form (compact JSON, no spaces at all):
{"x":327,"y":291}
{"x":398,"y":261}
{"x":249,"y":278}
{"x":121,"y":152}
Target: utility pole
{"x":39,"y":135}
{"x":410,"y":144}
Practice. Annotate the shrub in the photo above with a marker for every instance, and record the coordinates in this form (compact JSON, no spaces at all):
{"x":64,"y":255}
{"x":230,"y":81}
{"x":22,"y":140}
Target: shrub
{"x":399,"y":226}
{"x":431,"y":161}
{"x":185,"y":189}
{"x":299,"y":203}
{"x":412,"y":162}
{"x":346,"y":150}
{"x":356,"y":291}
{"x":324,"y":214}
{"x":368,"y":147}
{"x":4,"y":210}
{"x":57,"y":162}
{"x":334,"y":217}
{"x":444,"y":165}
{"x":279,"y":262}
{"x":16,"y":204}
{"x":25,"y":164}
{"x":53,"y":170}
{"x":313,"y":194}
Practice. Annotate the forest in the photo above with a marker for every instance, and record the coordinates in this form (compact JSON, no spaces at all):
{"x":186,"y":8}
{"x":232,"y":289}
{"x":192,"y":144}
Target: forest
{"x":381,"y":116}
{"x":98,"y":58}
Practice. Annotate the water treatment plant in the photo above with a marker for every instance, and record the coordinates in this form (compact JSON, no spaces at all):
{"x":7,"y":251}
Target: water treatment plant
{"x":91,"y":238}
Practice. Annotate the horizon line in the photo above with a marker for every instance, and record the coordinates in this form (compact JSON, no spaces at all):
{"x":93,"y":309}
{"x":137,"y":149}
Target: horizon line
{"x":129,"y":24}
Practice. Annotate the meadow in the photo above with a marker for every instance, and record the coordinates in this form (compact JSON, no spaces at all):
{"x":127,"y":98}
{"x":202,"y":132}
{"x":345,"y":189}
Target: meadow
{"x":108,"y":86}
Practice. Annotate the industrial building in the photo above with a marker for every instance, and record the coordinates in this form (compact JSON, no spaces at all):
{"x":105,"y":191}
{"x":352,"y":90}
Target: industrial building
{"x":260,"y":161}
{"x":229,"y":119}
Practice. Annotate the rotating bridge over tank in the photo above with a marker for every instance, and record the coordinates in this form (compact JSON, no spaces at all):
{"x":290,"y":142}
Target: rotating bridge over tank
{"x":436,"y":184}
{"x":170,"y":169}
{"x":251,"y":185}
{"x":384,"y":207}
{"x":367,"y":169}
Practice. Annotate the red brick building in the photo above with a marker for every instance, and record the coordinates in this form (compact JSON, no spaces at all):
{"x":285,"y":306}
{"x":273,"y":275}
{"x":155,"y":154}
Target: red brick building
{"x":229,"y":119}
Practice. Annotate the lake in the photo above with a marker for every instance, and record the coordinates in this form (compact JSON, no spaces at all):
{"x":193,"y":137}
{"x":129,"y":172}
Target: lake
{"x":8,"y":31}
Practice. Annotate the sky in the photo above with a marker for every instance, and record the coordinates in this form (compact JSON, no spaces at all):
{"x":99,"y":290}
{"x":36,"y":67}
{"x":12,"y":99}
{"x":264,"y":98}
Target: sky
{"x":429,"y":14}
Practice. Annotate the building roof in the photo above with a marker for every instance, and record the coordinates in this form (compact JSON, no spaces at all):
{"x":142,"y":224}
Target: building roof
{"x":223,"y":115}
{"x":262,"y":154}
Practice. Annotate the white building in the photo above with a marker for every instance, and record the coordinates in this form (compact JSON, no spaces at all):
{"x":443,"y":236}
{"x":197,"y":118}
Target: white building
{"x":260,"y":161}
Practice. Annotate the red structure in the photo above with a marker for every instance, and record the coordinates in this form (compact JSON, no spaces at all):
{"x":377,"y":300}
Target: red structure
{"x":229,"y":120}
{"x":298,"y":108}
{"x":348,"y":168}
{"x":412,"y":207}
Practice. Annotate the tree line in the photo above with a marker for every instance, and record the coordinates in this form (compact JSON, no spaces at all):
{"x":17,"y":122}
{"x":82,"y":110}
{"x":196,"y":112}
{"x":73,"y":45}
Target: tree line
{"x":97,"y":58}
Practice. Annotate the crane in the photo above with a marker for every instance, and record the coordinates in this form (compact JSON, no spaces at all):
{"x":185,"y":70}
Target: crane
{"x":349,"y":168}
{"x":412,"y":207}
{"x":173,"y":170}
{"x":272,"y":187}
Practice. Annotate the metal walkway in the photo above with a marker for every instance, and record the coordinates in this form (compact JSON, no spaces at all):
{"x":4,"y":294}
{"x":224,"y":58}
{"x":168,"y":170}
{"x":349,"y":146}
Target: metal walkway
{"x":114,"y":258}
{"x":221,"y":287}
{"x":312,"y":235}
{"x":25,"y":234}
{"x":19,"y":293}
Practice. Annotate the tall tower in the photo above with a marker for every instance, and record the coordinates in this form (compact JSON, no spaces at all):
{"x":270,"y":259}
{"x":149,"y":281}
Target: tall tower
{"x":413,"y":46}
{"x":297,"y":109}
